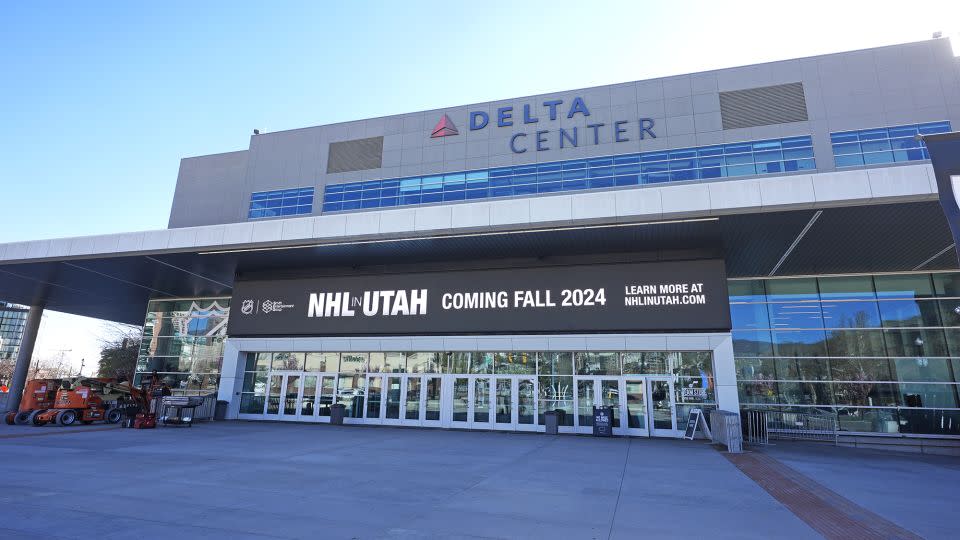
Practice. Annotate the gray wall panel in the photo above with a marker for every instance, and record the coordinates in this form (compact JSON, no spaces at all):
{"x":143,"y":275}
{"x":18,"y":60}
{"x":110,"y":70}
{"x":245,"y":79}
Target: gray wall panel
{"x":912,"y":82}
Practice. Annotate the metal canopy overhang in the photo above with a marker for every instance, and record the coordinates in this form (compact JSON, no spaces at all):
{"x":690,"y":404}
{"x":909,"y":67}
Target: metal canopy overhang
{"x":881,"y":238}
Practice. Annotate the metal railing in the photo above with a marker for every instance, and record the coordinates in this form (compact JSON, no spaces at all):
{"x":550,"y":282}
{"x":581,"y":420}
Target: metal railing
{"x":759,"y":426}
{"x":204,"y":411}
{"x":725,"y":429}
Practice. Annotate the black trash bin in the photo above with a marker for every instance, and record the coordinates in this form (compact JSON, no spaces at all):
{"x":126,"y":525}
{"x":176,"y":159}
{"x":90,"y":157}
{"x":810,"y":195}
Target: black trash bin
{"x":550,"y":422}
{"x":337,"y":411}
{"x":220,"y":412}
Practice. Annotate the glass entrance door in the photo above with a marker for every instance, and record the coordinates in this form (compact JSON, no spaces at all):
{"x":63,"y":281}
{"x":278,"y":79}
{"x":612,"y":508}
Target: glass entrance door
{"x":599,"y":392}
{"x":307,"y":408}
{"x":661,"y":415}
{"x":635,"y":401}
{"x":473,"y":402}
{"x":283,"y":396}
{"x":375,"y":403}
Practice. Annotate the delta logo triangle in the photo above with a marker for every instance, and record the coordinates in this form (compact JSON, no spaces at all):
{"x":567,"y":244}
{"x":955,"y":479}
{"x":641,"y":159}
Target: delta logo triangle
{"x":444,"y":128}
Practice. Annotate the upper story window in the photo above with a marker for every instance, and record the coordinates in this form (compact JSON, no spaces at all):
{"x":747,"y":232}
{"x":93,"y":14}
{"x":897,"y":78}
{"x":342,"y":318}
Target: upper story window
{"x":283,"y":202}
{"x":773,"y":156}
{"x":894,"y":144}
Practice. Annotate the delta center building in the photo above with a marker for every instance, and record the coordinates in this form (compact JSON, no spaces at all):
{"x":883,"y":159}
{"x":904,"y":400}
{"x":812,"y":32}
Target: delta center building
{"x":768,"y":237}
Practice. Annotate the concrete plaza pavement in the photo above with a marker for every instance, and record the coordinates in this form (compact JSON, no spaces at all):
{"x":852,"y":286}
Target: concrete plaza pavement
{"x":266,"y":480}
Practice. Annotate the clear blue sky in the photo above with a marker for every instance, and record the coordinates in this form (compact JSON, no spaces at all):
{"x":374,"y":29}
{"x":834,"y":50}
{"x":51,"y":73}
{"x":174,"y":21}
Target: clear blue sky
{"x":100,"y":100}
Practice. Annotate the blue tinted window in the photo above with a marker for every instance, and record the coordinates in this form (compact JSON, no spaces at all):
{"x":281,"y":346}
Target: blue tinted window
{"x":771,"y":156}
{"x":284,"y":202}
{"x":873,"y":146}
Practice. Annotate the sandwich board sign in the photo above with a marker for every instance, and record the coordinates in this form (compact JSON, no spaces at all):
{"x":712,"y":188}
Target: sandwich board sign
{"x":695,"y":420}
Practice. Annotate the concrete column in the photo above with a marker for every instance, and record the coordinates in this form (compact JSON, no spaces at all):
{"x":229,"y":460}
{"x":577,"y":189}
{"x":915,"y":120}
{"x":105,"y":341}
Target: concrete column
{"x":726,"y":376}
{"x":231,"y":377}
{"x":30,"y":331}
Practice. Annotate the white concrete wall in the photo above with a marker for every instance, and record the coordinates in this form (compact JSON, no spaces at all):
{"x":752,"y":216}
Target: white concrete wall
{"x":694,"y":200}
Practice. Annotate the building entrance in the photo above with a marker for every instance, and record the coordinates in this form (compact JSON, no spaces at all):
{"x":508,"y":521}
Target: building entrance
{"x":646,"y":391}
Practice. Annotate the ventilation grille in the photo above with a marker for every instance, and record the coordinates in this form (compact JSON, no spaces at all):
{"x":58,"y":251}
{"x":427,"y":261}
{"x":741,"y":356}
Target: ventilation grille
{"x":356,"y":155}
{"x":763,"y":106}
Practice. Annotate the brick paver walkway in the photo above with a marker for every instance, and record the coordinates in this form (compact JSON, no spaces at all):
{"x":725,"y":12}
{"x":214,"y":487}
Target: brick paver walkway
{"x":833,"y":516}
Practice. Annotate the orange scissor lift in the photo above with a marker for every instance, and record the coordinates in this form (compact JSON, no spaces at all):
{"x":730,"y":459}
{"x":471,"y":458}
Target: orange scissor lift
{"x":67,"y":401}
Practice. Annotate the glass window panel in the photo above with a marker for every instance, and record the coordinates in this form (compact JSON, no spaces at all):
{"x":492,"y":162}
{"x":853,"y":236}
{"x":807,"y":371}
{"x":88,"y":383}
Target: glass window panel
{"x":353,"y":363}
{"x":934,"y":127}
{"x":555,"y":363}
{"x":855,"y":343}
{"x":842,"y":137}
{"x":947,"y":284}
{"x":645,"y":363}
{"x":846,"y":287}
{"x":460,"y":362}
{"x":909,"y":313}
{"x":741,"y":170}
{"x":752,"y":343}
{"x":799,"y":343}
{"x":426,"y":362}
{"x":316,"y":361}
{"x":515,"y":363}
{"x":805,"y":393}
{"x":904,"y":286}
{"x":854,"y":160}
{"x":803,"y":369}
{"x":929,"y":421}
{"x":915,"y":342}
{"x":749,"y":316}
{"x":860,"y":369}
{"x":795,"y":315}
{"x":792,"y":289}
{"x":875,"y":146}
{"x":628,"y":180}
{"x":928,"y":395}
{"x":739,"y":159}
{"x":258,"y":361}
{"x":758,"y":391}
{"x":481,"y":362}
{"x":692,"y":364}
{"x":287,"y":361}
{"x":760,"y":369}
{"x":870,"y":394}
{"x":868,"y":420}
{"x":875,"y":158}
{"x":925,"y":370}
{"x":597,"y":363}
{"x":850,"y":314}
{"x":746,"y":290}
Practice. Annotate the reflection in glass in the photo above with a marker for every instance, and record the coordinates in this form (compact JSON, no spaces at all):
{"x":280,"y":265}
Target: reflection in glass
{"x":610,"y":397}
{"x":481,"y":400}
{"x":374,"y":396}
{"x":660,"y":399}
{"x":515,"y":363}
{"x":459,"y":362}
{"x":327,"y":391}
{"x":273,"y":395}
{"x":556,"y":394}
{"x":461,"y":399}
{"x":555,"y":363}
{"x":350,"y":392}
{"x":290,"y":397}
{"x":432,"y":398}
{"x":393,"y":398}
{"x":526,"y":399}
{"x":413,"y":399}
{"x":309,"y":395}
{"x":586,"y":398}
{"x":504,"y":404}
{"x":636,"y":405}
{"x":597,"y":363}
{"x":317,"y":361}
{"x":481,"y":363}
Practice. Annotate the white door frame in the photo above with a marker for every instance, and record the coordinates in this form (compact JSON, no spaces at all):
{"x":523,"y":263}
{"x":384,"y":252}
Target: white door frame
{"x":379,"y":418}
{"x":596,"y":382}
{"x":624,"y":418}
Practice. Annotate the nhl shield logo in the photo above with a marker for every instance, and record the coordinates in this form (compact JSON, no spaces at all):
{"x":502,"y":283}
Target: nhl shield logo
{"x":246,"y":307}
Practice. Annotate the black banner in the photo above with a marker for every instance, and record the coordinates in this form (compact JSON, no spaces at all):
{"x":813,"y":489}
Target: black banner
{"x":635,"y":297}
